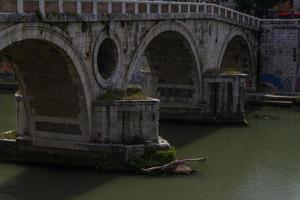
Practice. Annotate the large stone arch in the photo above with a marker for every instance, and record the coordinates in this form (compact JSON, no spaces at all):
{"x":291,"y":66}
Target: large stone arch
{"x":167,"y":27}
{"x":245,"y":47}
{"x":37,"y":38}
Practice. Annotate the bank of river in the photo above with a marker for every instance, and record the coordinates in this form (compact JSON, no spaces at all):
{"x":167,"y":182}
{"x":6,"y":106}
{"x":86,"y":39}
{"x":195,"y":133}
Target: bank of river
{"x":258,"y":162}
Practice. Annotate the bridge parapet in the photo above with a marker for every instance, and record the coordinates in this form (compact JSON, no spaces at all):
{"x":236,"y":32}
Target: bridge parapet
{"x":126,"y":7}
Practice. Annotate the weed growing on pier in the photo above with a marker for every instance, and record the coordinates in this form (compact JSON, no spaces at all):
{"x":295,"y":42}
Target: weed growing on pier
{"x":132,"y":93}
{"x":9,"y":135}
{"x":298,"y":100}
{"x":151,"y":159}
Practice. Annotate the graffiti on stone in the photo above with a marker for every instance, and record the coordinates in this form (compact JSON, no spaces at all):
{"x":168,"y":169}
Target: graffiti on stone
{"x":273,"y":80}
{"x":279,"y":83}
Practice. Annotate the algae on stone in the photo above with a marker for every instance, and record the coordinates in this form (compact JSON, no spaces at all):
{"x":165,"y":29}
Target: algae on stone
{"x":132,"y":93}
{"x":152,"y":159}
{"x":8,"y":135}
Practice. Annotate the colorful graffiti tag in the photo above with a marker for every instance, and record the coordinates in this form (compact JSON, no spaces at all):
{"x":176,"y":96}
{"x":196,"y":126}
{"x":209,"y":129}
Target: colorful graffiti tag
{"x":273,"y":80}
{"x":281,"y":84}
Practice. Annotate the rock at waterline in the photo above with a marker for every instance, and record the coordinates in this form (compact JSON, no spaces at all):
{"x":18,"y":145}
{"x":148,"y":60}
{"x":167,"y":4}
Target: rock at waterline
{"x":183,"y":169}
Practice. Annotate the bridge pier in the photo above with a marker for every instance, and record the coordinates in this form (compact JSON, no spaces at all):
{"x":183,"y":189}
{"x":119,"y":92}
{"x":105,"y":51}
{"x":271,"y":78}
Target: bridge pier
{"x":126,"y":122}
{"x":123,"y":122}
{"x":223,"y":101}
{"x":122,"y":131}
{"x":130,"y":126}
{"x":225,"y":97}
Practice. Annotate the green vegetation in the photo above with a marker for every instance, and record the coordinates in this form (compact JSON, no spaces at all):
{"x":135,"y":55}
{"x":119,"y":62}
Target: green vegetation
{"x":132,"y":93}
{"x":152,"y":159}
{"x":230,"y":72}
{"x":39,"y":16}
{"x":298,"y":100}
{"x":227,"y":71}
{"x":9,"y":135}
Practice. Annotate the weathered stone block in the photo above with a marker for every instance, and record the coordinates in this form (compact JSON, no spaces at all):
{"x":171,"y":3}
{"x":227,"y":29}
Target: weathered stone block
{"x":126,"y":121}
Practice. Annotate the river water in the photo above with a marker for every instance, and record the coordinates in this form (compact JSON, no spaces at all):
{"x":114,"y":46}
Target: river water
{"x":256,"y":162}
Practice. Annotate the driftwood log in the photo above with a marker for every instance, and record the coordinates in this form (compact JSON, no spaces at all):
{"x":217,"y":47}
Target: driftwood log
{"x":176,"y":166}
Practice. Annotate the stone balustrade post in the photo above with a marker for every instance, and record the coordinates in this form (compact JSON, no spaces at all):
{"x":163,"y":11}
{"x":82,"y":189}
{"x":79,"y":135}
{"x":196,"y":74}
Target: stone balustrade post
{"x":42,"y":7}
{"x":159,"y":8}
{"x":61,"y":6}
{"x":20,"y":7}
{"x":136,"y":8}
{"x":123,"y":8}
{"x":95,"y":9}
{"x":109,"y":7}
{"x":148,"y":8}
{"x":78,"y":7}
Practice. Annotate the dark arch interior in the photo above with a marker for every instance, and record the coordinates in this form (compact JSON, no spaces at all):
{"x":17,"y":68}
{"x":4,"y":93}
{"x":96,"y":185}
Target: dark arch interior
{"x":171,"y":58}
{"x":172,"y":69}
{"x":107,"y":58}
{"x":48,"y":76}
{"x":237,"y":56}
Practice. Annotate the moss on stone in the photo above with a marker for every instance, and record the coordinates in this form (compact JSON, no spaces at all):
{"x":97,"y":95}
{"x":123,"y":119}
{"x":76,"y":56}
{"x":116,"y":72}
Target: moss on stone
{"x":227,"y":71}
{"x":231,"y":72}
{"x":9,"y":135}
{"x":156,"y":158}
{"x":129,"y":95}
{"x":39,"y":15}
{"x":298,"y":100}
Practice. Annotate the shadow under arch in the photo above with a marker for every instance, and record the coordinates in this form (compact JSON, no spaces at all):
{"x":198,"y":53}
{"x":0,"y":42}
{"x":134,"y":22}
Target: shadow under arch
{"x":166,"y":44}
{"x":52,"y":74}
{"x":237,"y":54}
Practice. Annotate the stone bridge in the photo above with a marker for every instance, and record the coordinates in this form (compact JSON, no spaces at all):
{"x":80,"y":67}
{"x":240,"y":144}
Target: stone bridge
{"x":70,"y":53}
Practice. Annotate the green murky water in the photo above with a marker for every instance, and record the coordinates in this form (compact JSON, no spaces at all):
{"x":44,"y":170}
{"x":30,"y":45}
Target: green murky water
{"x":258,"y":162}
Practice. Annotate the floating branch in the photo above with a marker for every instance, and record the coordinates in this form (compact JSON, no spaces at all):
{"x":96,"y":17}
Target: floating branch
{"x":174,"y":167}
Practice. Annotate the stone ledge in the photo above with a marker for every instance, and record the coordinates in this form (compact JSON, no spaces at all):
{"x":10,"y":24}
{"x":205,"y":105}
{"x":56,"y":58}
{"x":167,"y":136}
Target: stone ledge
{"x":147,"y":101}
{"x":105,"y":157}
{"x":8,"y":17}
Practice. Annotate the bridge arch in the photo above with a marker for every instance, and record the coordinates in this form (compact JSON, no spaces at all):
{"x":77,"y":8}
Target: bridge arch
{"x":162,"y":46}
{"x":237,"y":54}
{"x":108,"y":60}
{"x":57,"y":91}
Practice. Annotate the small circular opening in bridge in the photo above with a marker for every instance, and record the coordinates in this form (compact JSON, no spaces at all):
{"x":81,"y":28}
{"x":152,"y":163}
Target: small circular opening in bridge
{"x":107,"y":58}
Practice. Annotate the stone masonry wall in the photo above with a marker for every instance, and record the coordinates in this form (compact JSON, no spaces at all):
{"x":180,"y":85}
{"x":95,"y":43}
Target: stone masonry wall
{"x":279,"y":56}
{"x":126,"y":122}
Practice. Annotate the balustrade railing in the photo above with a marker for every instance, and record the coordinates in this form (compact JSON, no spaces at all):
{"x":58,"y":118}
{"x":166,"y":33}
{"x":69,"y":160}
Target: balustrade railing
{"x":125,"y":7}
